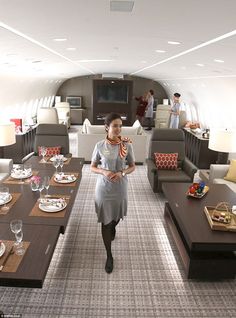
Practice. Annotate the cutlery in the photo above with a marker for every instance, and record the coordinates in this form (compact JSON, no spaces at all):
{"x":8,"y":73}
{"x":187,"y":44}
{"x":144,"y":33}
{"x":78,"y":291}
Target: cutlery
{"x":6,"y":259}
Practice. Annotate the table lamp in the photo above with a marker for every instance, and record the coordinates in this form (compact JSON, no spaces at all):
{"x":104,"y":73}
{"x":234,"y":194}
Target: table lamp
{"x":7,"y":136}
{"x":223,"y":141}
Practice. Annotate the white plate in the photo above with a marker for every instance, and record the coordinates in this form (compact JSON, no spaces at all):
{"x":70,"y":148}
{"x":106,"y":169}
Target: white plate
{"x":64,"y":158}
{"x":21,"y":176}
{"x":65,"y":180}
{"x":51,"y":208}
{"x":2,"y":249}
{"x":8,"y":200}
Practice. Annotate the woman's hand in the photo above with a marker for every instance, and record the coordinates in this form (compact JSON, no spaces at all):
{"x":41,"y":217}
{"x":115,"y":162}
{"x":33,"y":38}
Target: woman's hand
{"x":116,"y":176}
{"x":108,"y":174}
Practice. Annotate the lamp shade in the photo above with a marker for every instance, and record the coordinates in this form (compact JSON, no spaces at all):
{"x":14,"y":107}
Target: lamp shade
{"x":222,"y":140}
{"x":7,"y":134}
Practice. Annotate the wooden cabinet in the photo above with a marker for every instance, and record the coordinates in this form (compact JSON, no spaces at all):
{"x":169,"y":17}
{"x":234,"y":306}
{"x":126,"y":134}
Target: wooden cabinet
{"x":197,"y":150}
{"x":76,"y":116}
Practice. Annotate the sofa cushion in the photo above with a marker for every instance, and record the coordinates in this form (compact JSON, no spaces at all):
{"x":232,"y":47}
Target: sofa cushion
{"x":231,"y":175}
{"x":166,"y":161}
{"x":86,"y":123}
{"x":137,"y":124}
{"x":95,"y":129}
{"x":51,"y":151}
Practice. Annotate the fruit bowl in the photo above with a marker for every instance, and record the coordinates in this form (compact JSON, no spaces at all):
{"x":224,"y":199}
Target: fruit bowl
{"x":197,"y":190}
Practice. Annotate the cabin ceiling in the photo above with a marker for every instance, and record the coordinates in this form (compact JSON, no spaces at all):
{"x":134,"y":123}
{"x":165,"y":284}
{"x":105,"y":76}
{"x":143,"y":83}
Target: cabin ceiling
{"x":120,"y":42}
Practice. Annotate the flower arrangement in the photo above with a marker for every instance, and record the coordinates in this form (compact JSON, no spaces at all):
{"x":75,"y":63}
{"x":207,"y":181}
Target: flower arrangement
{"x":34,"y":182}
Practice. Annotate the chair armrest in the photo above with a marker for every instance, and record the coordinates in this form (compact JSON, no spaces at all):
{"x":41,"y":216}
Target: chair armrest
{"x":217,"y":172}
{"x":31,"y":154}
{"x":189,"y":167}
{"x":151,"y":166}
{"x":6,"y":165}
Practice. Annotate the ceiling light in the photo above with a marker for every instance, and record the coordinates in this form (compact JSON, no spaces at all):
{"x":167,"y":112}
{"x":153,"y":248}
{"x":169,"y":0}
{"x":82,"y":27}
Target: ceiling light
{"x":219,"y":38}
{"x":173,"y":42}
{"x":160,"y":51}
{"x":121,"y":6}
{"x":60,"y":40}
{"x":218,"y":61}
{"x":87,"y":61}
{"x":200,"y":64}
{"x":37,"y":62}
{"x":71,"y":49}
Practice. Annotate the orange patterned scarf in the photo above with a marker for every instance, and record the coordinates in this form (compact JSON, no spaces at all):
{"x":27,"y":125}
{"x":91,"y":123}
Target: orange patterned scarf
{"x":122,"y":145}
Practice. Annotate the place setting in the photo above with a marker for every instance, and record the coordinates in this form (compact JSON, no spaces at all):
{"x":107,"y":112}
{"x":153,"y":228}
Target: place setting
{"x":7,"y":199}
{"x":12,"y":253}
{"x":20,"y":174}
{"x":54,"y":158}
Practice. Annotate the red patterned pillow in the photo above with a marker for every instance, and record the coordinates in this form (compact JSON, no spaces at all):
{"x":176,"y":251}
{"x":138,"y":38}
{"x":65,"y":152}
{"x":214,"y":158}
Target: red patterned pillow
{"x":166,"y":161}
{"x":51,"y":151}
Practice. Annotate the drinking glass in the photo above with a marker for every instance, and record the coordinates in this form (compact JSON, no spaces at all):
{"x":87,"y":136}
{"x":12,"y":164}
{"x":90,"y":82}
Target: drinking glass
{"x":43,"y":153}
{"x":56,"y":163}
{"x":4,"y":195}
{"x":61,"y":163}
{"x":16,"y":228}
{"x":41,"y":187}
{"x":46,"y":181}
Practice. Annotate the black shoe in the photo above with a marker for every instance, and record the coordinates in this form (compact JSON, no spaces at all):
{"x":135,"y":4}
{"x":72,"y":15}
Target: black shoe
{"x":148,"y":128}
{"x":113,"y":235}
{"x":109,"y":265}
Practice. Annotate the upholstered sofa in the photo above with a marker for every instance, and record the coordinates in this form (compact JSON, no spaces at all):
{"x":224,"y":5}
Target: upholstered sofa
{"x":217,"y":174}
{"x":91,"y":134}
{"x":5,"y":167}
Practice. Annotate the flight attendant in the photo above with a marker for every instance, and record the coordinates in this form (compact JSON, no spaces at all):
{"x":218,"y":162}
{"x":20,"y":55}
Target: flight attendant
{"x":149,"y":109}
{"x":112,"y":160}
{"x":175,"y":111}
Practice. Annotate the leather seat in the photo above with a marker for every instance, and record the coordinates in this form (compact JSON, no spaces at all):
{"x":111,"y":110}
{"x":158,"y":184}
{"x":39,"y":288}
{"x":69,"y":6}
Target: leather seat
{"x":52,"y":135}
{"x":168,"y":141}
{"x":47,"y":115}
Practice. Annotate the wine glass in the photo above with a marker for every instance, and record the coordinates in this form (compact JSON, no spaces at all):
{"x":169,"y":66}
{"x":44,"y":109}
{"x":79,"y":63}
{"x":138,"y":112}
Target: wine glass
{"x":4,"y":195}
{"x":46,"y":181}
{"x":56,"y":163}
{"x":41,"y":187}
{"x":43,"y":153}
{"x":61,"y":163}
{"x":16,"y":228}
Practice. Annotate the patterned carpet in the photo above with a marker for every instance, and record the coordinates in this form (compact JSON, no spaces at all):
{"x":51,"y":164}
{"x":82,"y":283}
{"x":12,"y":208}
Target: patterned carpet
{"x":148,"y":278}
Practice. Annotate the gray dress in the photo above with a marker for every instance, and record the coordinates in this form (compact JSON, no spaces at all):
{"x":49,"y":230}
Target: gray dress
{"x":111,"y":197}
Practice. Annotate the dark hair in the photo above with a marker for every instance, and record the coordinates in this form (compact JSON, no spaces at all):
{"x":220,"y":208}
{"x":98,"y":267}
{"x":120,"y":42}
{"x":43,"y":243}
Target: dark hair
{"x":109,"y":118}
{"x":151,"y":91}
{"x":177,"y":95}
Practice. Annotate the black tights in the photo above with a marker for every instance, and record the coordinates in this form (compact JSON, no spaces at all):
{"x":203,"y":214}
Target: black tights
{"x":107,"y":233}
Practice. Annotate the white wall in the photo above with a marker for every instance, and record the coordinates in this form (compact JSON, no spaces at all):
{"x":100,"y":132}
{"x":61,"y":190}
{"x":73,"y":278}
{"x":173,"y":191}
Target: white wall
{"x":21,"y":96}
{"x":212,"y":101}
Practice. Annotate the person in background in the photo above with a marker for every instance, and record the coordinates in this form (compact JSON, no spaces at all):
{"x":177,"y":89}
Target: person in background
{"x":175,"y":111}
{"x":149,"y":109}
{"x":141,"y":108}
{"x":116,"y":158}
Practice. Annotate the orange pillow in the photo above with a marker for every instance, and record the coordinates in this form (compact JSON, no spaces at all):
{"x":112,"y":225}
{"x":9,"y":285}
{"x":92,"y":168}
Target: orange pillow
{"x":51,"y":151}
{"x":166,"y":161}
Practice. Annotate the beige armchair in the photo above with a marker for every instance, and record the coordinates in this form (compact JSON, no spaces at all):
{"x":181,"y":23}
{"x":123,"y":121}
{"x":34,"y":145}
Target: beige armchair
{"x":162,"y":116}
{"x":5,"y":167}
{"x":47,"y":115}
{"x":63,"y":110}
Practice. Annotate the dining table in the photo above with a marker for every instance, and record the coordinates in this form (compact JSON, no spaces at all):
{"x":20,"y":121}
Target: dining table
{"x":44,"y":217}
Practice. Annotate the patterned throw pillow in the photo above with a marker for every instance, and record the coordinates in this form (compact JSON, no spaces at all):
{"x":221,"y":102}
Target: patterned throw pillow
{"x":51,"y":151}
{"x":166,"y":161}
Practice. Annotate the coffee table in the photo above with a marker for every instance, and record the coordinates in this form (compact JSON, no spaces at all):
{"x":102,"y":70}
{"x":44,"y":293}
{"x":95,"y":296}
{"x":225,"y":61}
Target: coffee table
{"x":205,"y":253}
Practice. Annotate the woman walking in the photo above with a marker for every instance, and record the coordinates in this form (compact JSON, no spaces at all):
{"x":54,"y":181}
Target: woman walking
{"x":112,"y":160}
